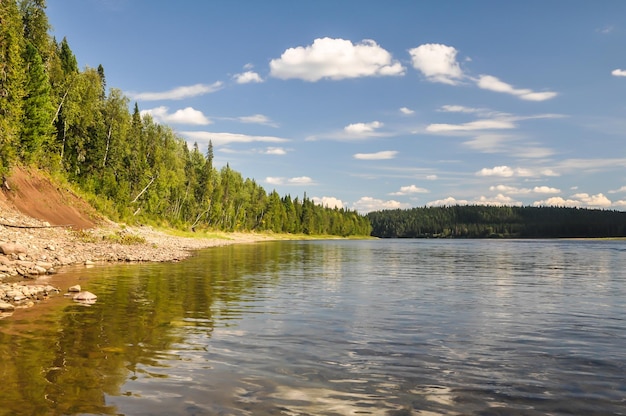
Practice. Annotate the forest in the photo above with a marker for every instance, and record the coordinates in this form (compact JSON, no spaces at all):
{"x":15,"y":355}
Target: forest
{"x":476,"y":221}
{"x":62,"y":119}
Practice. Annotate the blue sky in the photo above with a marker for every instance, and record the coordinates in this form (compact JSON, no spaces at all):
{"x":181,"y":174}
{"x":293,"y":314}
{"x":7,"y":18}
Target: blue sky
{"x":374,"y":105}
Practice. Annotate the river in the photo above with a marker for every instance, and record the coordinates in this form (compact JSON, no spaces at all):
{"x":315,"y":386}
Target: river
{"x":373,"y":327}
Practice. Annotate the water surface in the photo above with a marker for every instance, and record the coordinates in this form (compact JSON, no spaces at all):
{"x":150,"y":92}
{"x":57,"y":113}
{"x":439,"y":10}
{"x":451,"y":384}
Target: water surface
{"x":387,"y":327}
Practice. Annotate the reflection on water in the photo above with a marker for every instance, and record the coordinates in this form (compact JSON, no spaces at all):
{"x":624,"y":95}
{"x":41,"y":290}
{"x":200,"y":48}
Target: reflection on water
{"x":392,"y":327}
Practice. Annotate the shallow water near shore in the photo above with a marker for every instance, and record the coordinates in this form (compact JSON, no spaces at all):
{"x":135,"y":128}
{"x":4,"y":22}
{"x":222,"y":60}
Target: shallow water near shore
{"x":376,"y":327}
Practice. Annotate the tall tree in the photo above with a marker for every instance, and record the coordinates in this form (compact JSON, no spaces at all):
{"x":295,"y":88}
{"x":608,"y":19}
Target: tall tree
{"x":38,"y":107}
{"x":11,"y":81}
{"x":36,"y":25}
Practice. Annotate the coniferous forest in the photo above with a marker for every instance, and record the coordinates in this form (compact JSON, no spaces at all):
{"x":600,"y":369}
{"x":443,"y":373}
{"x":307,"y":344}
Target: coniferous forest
{"x":478,"y":221}
{"x":62,"y":119}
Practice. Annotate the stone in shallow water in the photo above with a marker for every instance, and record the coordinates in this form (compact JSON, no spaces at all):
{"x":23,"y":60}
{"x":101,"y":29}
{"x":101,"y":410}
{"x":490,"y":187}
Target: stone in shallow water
{"x":85,"y":296}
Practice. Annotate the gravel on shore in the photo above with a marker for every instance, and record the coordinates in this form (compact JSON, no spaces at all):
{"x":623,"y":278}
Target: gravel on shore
{"x":30,"y":248}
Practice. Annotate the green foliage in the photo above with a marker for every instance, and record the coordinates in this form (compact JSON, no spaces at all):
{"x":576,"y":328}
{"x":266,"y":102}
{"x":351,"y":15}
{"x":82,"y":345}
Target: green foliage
{"x":130,"y":168}
{"x":475,"y":221}
{"x":125,"y":238}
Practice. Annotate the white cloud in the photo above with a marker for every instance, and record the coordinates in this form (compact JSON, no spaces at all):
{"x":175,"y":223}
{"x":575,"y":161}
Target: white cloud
{"x":617,"y":191}
{"x":619,"y":73}
{"x":471,"y":126}
{"x":498,"y":200}
{"x":275,"y":151}
{"x":299,"y":180}
{"x":432,"y":177}
{"x":385,"y":154}
{"x":557,"y":201}
{"x":406,"y":111}
{"x":578,"y":200}
{"x":546,"y":190}
{"x":257,"y":119}
{"x":328,"y":201}
{"x":502,"y":171}
{"x":225,"y":138}
{"x":524,"y":191}
{"x":367,"y":204}
{"x":489,"y":82}
{"x":409,"y":190}
{"x":186,"y":115}
{"x":460,"y":109}
{"x":335,"y":59}
{"x":446,"y":202}
{"x":362,"y":128}
{"x":437,"y":62}
{"x":178,"y":93}
{"x":248,"y":77}
{"x":598,"y":200}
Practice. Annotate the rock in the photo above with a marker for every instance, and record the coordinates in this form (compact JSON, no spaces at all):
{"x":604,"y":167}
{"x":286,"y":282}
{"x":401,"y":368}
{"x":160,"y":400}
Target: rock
{"x":4,"y":306}
{"x":89,"y":263}
{"x":85,"y":296}
{"x":75,"y":288}
{"x":12,"y":248}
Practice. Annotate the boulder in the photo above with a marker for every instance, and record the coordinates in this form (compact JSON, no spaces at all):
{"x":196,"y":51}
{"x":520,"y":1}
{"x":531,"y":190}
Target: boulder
{"x":12,"y":248}
{"x":75,"y":288}
{"x":85,"y":296}
{"x":4,"y":306}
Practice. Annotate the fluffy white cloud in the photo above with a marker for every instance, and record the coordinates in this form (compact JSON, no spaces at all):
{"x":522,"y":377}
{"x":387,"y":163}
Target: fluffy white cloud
{"x":499,"y":200}
{"x":367,"y":204}
{"x":619,"y":73}
{"x":578,"y":200}
{"x":598,"y":200}
{"x":362,"y":128}
{"x":489,"y":82}
{"x":385,"y":154}
{"x":335,"y":59}
{"x":557,"y":201}
{"x":447,"y":202}
{"x":437,"y":62}
{"x":247,"y":77}
{"x":409,"y":190}
{"x":471,"y":126}
{"x":226,"y":138}
{"x":178,"y":93}
{"x":299,"y":180}
{"x":546,"y":190}
{"x":328,"y":201}
{"x":620,"y":190}
{"x":186,"y":115}
{"x":503,"y":171}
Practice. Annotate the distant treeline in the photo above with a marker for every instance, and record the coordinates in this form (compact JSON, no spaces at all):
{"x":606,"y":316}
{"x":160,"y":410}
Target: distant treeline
{"x":476,"y":221}
{"x":57,"y":117}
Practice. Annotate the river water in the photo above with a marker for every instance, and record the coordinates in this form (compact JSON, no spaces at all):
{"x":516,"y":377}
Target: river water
{"x":375,"y":327}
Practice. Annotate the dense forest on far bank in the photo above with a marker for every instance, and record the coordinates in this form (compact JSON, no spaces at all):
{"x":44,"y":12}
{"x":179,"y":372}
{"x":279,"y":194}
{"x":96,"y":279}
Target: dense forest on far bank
{"x":56,"y":117}
{"x":476,"y":221}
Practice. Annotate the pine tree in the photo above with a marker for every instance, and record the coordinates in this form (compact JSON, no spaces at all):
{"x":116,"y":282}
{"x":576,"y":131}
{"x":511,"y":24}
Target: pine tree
{"x":11,"y":82}
{"x":38,"y":108}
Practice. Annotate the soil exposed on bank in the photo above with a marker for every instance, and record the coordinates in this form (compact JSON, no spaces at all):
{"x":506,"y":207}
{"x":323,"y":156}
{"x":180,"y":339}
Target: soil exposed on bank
{"x":44,"y":227}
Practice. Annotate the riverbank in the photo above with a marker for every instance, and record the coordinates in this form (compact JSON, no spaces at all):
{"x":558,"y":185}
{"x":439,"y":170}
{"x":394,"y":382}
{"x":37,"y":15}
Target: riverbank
{"x":30,"y":248}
